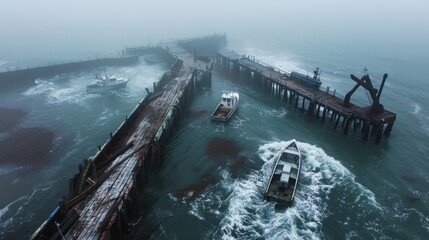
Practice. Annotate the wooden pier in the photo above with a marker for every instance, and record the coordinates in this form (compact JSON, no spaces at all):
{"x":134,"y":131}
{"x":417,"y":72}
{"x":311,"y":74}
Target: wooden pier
{"x":101,"y":195}
{"x":322,"y":103}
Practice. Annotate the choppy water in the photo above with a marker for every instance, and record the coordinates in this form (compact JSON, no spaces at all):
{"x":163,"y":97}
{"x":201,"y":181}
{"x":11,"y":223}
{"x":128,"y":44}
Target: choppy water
{"x":349,"y":189}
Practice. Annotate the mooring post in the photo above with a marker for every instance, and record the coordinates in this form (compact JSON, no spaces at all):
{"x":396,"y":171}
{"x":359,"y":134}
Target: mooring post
{"x":332,"y":115}
{"x":365,"y":129}
{"x":388,"y":129}
{"x":374,"y":129}
{"x":346,"y":127}
{"x":296,"y":100}
{"x":324,"y":113}
{"x":344,"y":122}
{"x":285,"y":94}
{"x":311,"y":107}
{"x":318,"y":111}
{"x":379,"y":133}
{"x":338,"y":120}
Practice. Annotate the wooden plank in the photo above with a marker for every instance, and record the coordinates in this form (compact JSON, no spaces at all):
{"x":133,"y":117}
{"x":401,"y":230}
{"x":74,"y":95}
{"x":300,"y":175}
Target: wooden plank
{"x":113,"y":189}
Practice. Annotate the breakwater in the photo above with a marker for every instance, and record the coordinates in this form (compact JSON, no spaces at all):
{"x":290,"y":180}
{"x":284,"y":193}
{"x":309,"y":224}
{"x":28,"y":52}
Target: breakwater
{"x":26,"y":77}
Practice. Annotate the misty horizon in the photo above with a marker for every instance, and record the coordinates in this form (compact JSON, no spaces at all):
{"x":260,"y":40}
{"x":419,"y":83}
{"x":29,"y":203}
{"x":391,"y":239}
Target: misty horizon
{"x":63,"y":30}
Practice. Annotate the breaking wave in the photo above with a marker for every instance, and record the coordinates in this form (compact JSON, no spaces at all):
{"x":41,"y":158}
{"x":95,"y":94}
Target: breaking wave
{"x":249,"y":216}
{"x":16,"y":212}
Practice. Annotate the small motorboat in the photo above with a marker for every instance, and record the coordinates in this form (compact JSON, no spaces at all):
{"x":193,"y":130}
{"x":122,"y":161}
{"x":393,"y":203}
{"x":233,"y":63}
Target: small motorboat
{"x":226,"y":107}
{"x":106,"y":83}
{"x":284,"y":177}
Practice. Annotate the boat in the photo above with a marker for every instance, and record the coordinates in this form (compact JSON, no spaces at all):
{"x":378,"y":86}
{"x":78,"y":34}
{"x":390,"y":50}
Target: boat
{"x":313,"y":81}
{"x":284,"y":177}
{"x":226,"y":107}
{"x":106,"y":83}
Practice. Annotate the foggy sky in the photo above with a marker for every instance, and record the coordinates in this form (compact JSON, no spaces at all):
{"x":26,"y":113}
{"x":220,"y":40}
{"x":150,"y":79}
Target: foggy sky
{"x":56,"y":29}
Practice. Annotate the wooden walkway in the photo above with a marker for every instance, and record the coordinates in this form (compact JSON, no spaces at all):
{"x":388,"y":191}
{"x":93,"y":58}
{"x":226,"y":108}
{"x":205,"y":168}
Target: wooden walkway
{"x":319,"y":102}
{"x":101,"y":194}
{"x":94,"y":216}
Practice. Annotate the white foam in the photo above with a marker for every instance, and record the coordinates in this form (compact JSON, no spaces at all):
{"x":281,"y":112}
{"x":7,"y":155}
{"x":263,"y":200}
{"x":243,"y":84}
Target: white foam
{"x":248,"y":215}
{"x":237,"y":120}
{"x":273,"y":113}
{"x":425,"y":222}
{"x":73,"y":91}
{"x":16,"y":180}
{"x":219,"y":127}
{"x":41,"y":87}
{"x":422,"y":116}
{"x":106,"y":116}
{"x":280,"y":60}
{"x":5,"y":170}
{"x":415,"y":108}
{"x":5,"y":209}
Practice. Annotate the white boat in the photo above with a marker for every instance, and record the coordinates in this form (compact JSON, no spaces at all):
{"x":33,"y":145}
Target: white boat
{"x":285,"y":174}
{"x":226,"y":107}
{"x":106,"y":83}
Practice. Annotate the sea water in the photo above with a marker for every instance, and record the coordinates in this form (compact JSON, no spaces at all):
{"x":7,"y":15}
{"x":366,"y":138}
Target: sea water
{"x":212,"y":182}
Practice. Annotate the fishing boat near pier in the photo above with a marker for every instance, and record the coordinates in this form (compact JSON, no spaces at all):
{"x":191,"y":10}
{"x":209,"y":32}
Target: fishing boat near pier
{"x":227,"y":106}
{"x":284,"y":177}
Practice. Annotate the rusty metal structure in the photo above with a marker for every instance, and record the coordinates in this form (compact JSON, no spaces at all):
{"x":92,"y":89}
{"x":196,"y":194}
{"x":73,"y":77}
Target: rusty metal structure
{"x":365,"y":82}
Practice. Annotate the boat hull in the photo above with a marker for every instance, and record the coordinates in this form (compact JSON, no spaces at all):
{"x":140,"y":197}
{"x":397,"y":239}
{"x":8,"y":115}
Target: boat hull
{"x":222,"y":114}
{"x":110,"y":87}
{"x":226,"y":108}
{"x":284,"y":177}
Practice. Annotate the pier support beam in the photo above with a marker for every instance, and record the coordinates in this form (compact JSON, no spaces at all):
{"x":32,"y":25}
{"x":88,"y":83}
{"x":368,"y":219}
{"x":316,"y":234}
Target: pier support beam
{"x":346,"y":127}
{"x":365,"y":130}
{"x":324,"y":113}
{"x":379,"y":134}
{"x":338,"y":121}
{"x":311,"y":107}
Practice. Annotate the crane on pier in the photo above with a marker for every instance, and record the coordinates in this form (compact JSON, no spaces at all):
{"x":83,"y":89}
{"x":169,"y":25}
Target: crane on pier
{"x":374,"y":93}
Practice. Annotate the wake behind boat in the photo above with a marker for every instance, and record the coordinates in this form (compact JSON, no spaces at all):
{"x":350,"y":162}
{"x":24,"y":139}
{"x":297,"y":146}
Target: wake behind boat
{"x":226,"y":107}
{"x":284,"y":177}
{"x":106,"y":83}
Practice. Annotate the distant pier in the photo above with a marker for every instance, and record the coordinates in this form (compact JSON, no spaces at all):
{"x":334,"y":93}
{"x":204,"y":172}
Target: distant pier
{"x":321,"y":103}
{"x":25,"y":77}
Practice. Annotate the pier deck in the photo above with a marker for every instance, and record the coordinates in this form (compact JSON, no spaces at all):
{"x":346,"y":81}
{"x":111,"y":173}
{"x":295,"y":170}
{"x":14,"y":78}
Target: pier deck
{"x":94,"y":214}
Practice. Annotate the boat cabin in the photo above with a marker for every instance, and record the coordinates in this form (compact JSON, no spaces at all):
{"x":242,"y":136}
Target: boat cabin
{"x":290,"y":155}
{"x":287,"y":167}
{"x":284,"y":177}
{"x":226,"y":107}
{"x":228,"y":101}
